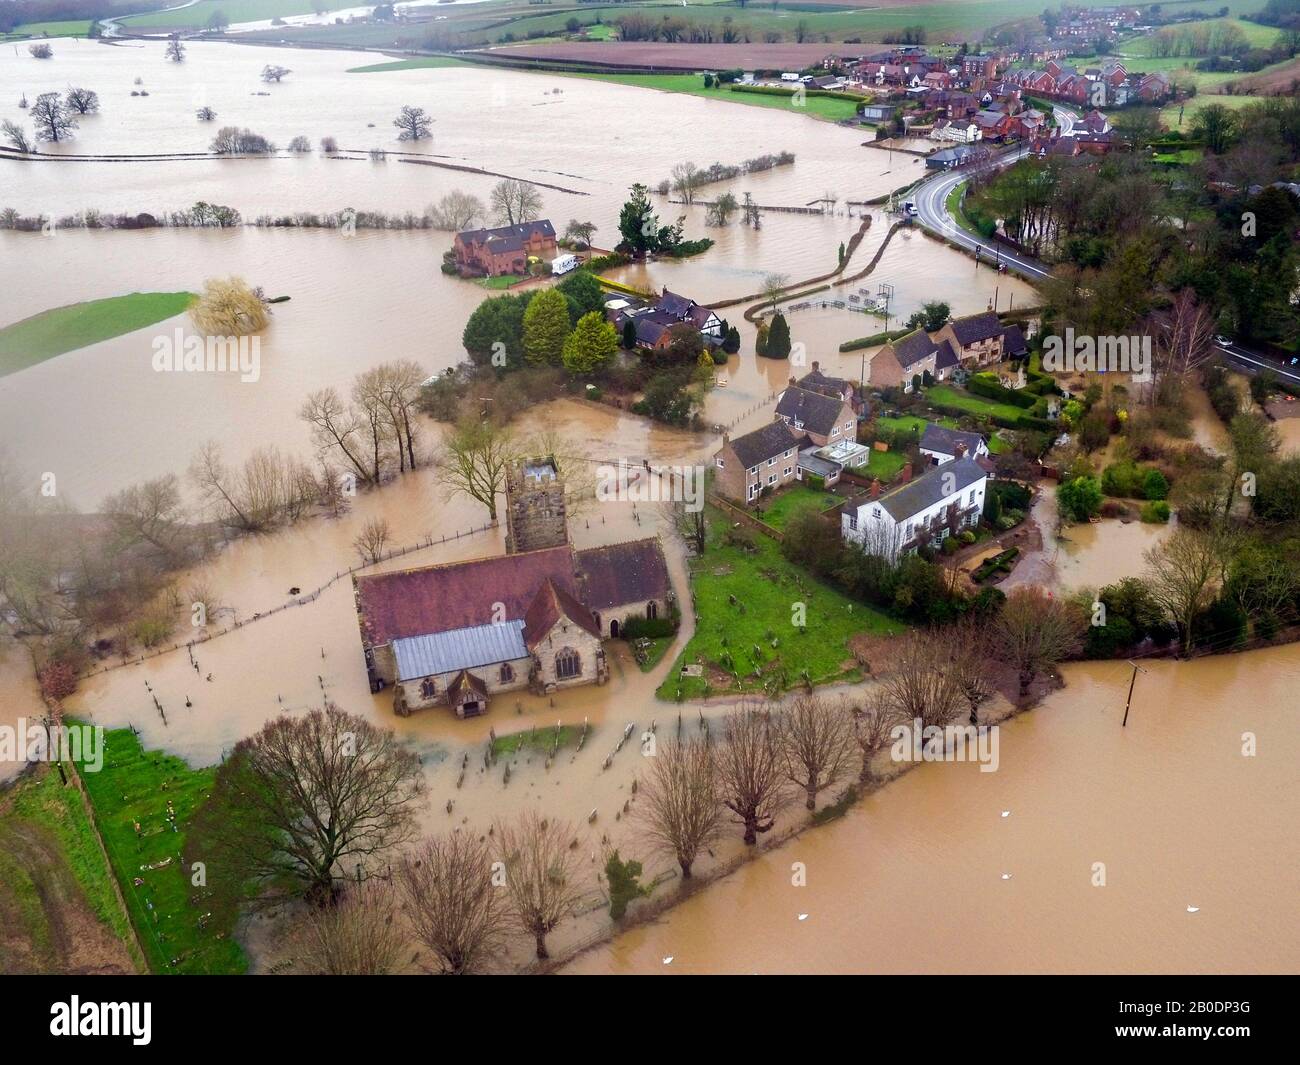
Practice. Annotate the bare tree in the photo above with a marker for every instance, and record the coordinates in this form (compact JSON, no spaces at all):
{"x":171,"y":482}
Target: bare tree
{"x":1184,"y":573}
{"x":51,"y":118}
{"x":1184,"y":338}
{"x":414,"y":123}
{"x":149,"y":513}
{"x":83,"y":101}
{"x":40,"y":51}
{"x":514,"y":202}
{"x":816,"y":745}
{"x":1033,"y":632}
{"x":689,"y":526}
{"x":275,"y":73}
{"x":871,"y":727}
{"x":251,"y":497}
{"x":680,"y":808}
{"x":751,"y":771}
{"x":303,"y":802}
{"x":686,"y":178}
{"x":360,"y":935}
{"x":175,"y":51}
{"x":541,"y":870}
{"x":580,"y":232}
{"x":370,"y":405}
{"x":206,"y":114}
{"x":920,"y":683}
{"x":969,"y":651}
{"x":371,"y":540}
{"x":474,"y":459}
{"x":17,"y":137}
{"x":456,"y":910}
{"x":334,"y":427}
{"x":457,"y":210}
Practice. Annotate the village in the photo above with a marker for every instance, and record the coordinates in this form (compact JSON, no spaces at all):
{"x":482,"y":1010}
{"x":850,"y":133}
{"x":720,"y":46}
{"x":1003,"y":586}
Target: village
{"x":643,"y":530}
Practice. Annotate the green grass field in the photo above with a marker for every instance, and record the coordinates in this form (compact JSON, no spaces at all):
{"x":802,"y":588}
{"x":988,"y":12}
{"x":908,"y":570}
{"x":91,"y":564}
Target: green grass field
{"x":793,"y":500}
{"x":70,"y":28}
{"x":50,"y":865}
{"x":197,"y":16}
{"x":975,"y":404}
{"x":135,"y":786}
{"x":64,"y":329}
{"x":767,"y":590}
{"x":410,"y":64}
{"x":693,"y":85}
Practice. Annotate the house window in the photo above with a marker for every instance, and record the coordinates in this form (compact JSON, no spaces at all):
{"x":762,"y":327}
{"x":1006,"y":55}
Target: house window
{"x":507,"y":672}
{"x":652,"y":610}
{"x":753,"y":470}
{"x":853,"y":522}
{"x":771,"y":462}
{"x":568,"y":664}
{"x":771,"y":478}
{"x":721,"y":464}
{"x":789,"y":453}
{"x":787,"y":471}
{"x":848,"y":426}
{"x":428,"y":688}
{"x":835,"y":431}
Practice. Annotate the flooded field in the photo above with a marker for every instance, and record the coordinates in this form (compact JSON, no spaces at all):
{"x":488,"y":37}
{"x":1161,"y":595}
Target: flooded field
{"x":911,"y":878}
{"x":954,"y":871}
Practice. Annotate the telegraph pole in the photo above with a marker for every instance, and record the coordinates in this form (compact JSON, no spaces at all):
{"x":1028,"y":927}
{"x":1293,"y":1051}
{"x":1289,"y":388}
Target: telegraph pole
{"x":1136,"y":670}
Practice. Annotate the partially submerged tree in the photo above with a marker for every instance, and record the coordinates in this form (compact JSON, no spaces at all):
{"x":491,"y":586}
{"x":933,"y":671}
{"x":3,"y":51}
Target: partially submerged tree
{"x":456,"y":910}
{"x":275,"y":73}
{"x":361,"y":935}
{"x":51,"y":118}
{"x":1184,"y":574}
{"x":816,"y":745}
{"x":414,"y":124}
{"x":1033,"y":632}
{"x":541,"y":873}
{"x":474,"y":459}
{"x":82,"y":101}
{"x":228,"y":307}
{"x":680,"y":809}
{"x":751,"y":770}
{"x":175,"y":51}
{"x":17,"y":137}
{"x":371,"y":540}
{"x":457,"y":210}
{"x":303,"y":803}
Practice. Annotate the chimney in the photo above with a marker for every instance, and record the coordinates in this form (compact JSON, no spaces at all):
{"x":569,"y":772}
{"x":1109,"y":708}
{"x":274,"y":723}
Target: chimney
{"x":816,"y":366}
{"x":960,"y":448}
{"x":905,"y":474}
{"x":875,"y":489}
{"x":793,"y":382}
{"x":726,"y":437}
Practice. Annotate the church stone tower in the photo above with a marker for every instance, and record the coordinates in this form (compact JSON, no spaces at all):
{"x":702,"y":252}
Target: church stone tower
{"x":535,"y":506}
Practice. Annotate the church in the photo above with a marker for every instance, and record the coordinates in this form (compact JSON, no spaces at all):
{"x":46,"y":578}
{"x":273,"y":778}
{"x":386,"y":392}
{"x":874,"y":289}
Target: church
{"x":455,"y":635}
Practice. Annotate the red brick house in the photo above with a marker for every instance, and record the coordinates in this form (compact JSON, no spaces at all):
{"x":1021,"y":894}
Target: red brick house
{"x":504,"y":250}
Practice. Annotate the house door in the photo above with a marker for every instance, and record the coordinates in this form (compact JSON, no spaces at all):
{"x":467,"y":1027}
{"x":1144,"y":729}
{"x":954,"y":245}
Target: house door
{"x":613,"y":628}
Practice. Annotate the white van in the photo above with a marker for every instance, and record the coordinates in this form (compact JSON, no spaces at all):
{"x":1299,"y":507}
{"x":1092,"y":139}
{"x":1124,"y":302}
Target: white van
{"x":562,"y":264}
{"x":909,"y":209}
{"x":789,"y":77}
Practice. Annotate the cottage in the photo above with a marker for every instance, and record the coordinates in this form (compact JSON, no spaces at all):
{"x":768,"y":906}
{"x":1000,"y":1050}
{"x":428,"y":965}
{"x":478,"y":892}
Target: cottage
{"x":767,"y":459}
{"x":899,"y":363}
{"x":979,"y":339}
{"x":942,"y":445}
{"x":505,"y":250}
{"x":823,"y":419}
{"x":921,"y":510}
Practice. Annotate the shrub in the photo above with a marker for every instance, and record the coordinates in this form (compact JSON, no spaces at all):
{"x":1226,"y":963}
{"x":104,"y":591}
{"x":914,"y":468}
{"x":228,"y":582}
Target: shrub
{"x":648,"y":628}
{"x":1080,"y":498}
{"x":1155,"y":486}
{"x":1156,"y":511}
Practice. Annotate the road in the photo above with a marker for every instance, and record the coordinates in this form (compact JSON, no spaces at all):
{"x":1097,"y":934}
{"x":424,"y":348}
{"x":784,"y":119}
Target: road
{"x":1254,"y":361}
{"x":931,"y":199}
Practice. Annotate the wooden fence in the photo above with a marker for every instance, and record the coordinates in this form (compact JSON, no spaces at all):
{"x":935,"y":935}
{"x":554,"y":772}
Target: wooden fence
{"x":299,"y":600}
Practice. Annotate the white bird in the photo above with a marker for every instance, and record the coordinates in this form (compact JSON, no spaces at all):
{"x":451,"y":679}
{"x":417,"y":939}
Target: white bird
{"x":803,"y":917}
{"x":1006,"y":876}
{"x":1193,"y":909}
{"x":669,"y":960}
{"x":1006,"y":813}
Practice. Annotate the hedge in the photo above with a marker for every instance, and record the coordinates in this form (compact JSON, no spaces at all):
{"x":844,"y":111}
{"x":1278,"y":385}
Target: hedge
{"x":648,"y":628}
{"x":1024,"y":421}
{"x":874,"y":339}
{"x":986,"y":385}
{"x":781,"y":90}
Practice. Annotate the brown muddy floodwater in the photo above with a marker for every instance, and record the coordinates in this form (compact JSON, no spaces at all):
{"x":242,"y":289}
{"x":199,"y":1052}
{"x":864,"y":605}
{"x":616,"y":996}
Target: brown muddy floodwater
{"x":910,"y":879}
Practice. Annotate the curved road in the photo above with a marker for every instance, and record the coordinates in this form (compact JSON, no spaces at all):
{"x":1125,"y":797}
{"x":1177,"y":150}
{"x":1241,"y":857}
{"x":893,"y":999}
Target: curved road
{"x":931,"y":199}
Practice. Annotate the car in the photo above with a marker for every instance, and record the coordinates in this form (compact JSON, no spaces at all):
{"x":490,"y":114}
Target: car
{"x":909,"y":208}
{"x":1222,"y":341}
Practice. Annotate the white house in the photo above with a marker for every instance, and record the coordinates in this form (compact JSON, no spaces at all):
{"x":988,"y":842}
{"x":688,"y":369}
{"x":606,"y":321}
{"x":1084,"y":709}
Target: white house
{"x":942,"y":445}
{"x":926,"y":509}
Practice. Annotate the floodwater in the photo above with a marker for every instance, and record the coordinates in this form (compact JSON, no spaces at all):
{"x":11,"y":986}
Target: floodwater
{"x":1147,"y":800}
{"x":930,"y":875}
{"x":365,"y":298}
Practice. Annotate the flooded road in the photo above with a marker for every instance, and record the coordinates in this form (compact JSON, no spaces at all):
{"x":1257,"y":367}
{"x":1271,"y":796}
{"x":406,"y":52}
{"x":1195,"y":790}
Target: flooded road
{"x":912,"y":879}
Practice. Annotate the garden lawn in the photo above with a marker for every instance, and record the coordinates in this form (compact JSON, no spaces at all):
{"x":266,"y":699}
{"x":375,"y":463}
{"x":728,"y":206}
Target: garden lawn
{"x":883,"y":464}
{"x":957,"y":397}
{"x":823,"y":107}
{"x":796,"y":499}
{"x":766,"y":588}
{"x":63,"y":329}
{"x":135,"y":785}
